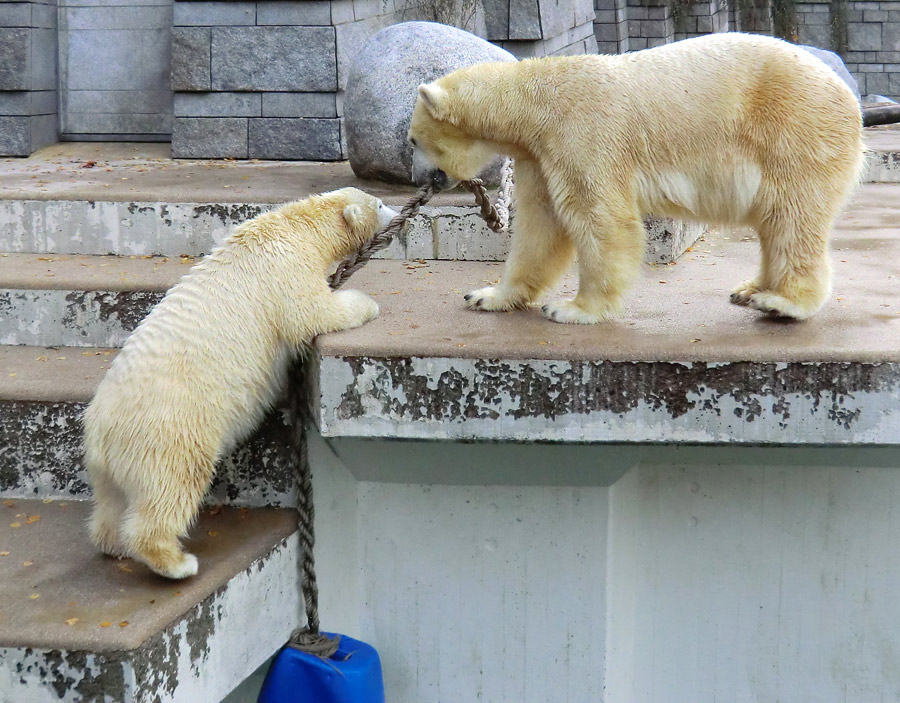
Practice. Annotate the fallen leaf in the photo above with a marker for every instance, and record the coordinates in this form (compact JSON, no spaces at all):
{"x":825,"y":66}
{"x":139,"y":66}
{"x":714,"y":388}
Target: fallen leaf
{"x":27,"y":563}
{"x":91,"y":164}
{"x":14,"y":525}
{"x":105,"y":623}
{"x":71,"y":621}
{"x":33,"y":519}
{"x":213,"y":533}
{"x":124,"y":623}
{"x":696,"y":340}
{"x":9,"y":503}
{"x":124,"y":567}
{"x":47,"y":500}
{"x":34,"y":596}
{"x":4,"y":554}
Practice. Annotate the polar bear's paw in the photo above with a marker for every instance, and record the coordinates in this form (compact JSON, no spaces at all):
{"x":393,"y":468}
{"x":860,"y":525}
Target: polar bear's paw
{"x":567,"y":312}
{"x":778,"y":306}
{"x":493,"y":299}
{"x":741,"y":294}
{"x":184,"y":568}
{"x":359,"y":306}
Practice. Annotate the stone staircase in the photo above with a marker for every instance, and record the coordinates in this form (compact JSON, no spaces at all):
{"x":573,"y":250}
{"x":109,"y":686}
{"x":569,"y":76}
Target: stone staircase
{"x":85,"y":252}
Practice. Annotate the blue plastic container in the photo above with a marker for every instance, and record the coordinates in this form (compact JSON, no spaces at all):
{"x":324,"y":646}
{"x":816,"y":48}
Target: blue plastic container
{"x":351,"y":675}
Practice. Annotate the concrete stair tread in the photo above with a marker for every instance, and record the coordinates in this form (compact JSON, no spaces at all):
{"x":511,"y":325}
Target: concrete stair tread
{"x":60,"y":593}
{"x":91,"y":272}
{"x":51,"y":374}
{"x":147,"y":173}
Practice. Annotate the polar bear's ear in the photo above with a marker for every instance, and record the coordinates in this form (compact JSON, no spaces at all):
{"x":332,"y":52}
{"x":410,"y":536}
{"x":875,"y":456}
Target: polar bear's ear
{"x":433,"y":98}
{"x":353,"y":214}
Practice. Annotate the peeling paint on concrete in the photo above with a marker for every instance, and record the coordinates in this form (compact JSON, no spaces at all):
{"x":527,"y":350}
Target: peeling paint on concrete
{"x":882,"y":167}
{"x":41,"y":456}
{"x":193,"y":229}
{"x":601,"y":401}
{"x":47,"y":318}
{"x":197,"y":659}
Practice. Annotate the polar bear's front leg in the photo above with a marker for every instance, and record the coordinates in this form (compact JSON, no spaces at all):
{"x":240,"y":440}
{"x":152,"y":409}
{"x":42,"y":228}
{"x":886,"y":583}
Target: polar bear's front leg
{"x":610,"y":252}
{"x":539,"y":253}
{"x":348,"y":309}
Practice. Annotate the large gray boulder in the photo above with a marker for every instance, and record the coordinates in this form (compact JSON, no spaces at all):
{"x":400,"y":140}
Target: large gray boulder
{"x":381,"y":91}
{"x":836,"y":64}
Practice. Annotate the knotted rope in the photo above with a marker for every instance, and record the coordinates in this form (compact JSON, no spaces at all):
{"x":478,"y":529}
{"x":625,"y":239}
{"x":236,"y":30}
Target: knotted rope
{"x":309,"y":639}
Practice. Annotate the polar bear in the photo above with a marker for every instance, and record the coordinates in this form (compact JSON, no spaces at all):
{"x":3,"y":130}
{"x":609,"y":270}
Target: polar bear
{"x":198,"y":374}
{"x":730,"y":129}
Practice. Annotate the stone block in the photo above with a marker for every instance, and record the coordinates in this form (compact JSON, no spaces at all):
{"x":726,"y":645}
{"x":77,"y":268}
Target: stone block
{"x":44,"y":59}
{"x":864,"y":37}
{"x":15,"y":14}
{"x":15,"y":59}
{"x":93,"y":123}
{"x":704,"y":24}
{"x":496,"y":18}
{"x":606,"y":32}
{"x":273,"y":58}
{"x":605,"y":17}
{"x":658,"y":13}
{"x":366,"y":9}
{"x":653,"y":28}
{"x":214,"y":14}
{"x":124,"y":59}
{"x":524,"y":20}
{"x":17,"y":102}
{"x":129,"y":17}
{"x":653,"y":42}
{"x":638,"y":13}
{"x":299,"y":105}
{"x":218,"y":104}
{"x":190,"y":58}
{"x":875,"y":16}
{"x":301,"y":139}
{"x":44,"y":130}
{"x":607,"y":47}
{"x":293,"y":13}
{"x":119,"y":101}
{"x":341,"y":11}
{"x":209,"y":137}
{"x":15,"y":136}
{"x":894,"y":84}
{"x":814,"y":35}
{"x":43,"y":16}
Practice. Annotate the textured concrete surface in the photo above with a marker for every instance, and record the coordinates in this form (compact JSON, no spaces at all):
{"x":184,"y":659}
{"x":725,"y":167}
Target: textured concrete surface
{"x":60,"y":593}
{"x":678,"y":312}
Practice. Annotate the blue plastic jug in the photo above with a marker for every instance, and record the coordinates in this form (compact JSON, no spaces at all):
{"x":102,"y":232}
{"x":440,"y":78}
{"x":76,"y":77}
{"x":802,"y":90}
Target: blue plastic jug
{"x":350,"y":675}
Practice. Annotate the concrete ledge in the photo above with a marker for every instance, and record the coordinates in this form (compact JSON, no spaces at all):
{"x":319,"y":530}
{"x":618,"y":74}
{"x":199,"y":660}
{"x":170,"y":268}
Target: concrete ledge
{"x":43,"y":393}
{"x":78,"y":626}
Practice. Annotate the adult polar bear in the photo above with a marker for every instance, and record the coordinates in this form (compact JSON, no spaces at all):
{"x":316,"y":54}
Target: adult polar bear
{"x":726,"y":128}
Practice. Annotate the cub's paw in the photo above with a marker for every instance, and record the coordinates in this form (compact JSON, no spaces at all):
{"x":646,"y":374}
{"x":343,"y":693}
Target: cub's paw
{"x":360,"y":307}
{"x":566,"y":311}
{"x":741,"y":294}
{"x":492,"y":299}
{"x":778,"y":306}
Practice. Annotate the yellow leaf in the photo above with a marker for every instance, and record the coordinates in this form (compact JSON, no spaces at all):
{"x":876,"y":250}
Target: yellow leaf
{"x":48,"y":500}
{"x":213,"y":533}
{"x":123,"y":567}
{"x":105,"y":623}
{"x":34,"y":596}
{"x":4,"y":554}
{"x":124,"y":623}
{"x":15,"y":524}
{"x":71,"y":621}
{"x":27,"y":563}
{"x":9,"y":503}
{"x":33,"y":519}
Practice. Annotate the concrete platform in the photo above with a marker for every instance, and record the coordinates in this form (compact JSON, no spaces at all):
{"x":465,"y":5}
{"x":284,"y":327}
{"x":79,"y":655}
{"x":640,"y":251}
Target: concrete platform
{"x":78,"y":626}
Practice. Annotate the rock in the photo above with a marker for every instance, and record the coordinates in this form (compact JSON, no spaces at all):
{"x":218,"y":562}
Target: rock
{"x":836,"y":64}
{"x":381,"y":91}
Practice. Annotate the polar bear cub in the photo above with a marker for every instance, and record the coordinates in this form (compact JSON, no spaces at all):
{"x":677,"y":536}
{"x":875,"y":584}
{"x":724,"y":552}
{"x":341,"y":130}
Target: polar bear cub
{"x":198,"y":374}
{"x":727,"y":128}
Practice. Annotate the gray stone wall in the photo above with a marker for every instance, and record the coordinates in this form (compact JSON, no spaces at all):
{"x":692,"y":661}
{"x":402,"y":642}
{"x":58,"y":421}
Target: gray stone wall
{"x":532,"y":28}
{"x":872,"y":51}
{"x":114,"y":69}
{"x":28,"y":76}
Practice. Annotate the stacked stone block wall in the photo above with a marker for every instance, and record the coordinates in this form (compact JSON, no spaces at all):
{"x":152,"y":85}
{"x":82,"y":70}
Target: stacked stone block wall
{"x":531,"y":28}
{"x":28,"y":76}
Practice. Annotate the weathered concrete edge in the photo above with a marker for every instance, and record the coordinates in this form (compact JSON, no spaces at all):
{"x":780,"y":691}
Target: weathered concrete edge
{"x":41,"y":457}
{"x":796,"y":403}
{"x":193,"y":229}
{"x":199,"y":658}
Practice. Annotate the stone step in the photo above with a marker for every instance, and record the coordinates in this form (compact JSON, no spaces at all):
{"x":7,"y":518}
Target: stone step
{"x":43,"y":393}
{"x":73,"y":300}
{"x":79,"y":627}
{"x":134,"y":200}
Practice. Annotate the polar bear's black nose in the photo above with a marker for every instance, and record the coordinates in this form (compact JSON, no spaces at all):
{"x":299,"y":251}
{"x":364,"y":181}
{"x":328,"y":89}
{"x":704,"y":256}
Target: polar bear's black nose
{"x":439,"y":179}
